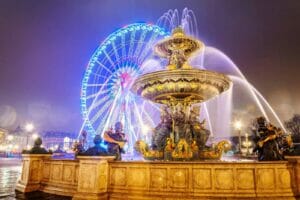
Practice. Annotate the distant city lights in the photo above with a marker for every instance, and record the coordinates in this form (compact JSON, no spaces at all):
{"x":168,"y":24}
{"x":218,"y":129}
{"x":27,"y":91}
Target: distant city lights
{"x":10,"y":137}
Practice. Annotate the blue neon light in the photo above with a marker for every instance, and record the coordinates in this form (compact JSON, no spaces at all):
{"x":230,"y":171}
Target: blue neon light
{"x":114,"y":39}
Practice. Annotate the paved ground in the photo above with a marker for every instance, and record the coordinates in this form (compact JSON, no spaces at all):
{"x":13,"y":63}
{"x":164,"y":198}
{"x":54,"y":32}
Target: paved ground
{"x":10,"y":170}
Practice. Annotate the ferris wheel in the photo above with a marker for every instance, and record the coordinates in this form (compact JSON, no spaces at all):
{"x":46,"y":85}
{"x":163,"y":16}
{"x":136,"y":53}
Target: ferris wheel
{"x":105,"y":93}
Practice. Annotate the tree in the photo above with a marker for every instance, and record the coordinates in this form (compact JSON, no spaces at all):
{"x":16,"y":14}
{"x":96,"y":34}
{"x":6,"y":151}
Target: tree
{"x":293,"y":125}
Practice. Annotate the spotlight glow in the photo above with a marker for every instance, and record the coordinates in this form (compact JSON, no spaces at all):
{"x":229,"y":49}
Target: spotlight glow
{"x":29,"y":127}
{"x":238,"y":125}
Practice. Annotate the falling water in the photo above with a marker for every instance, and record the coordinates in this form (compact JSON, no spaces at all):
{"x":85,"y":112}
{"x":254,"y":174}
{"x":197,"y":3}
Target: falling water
{"x":219,"y":112}
{"x":127,"y":53}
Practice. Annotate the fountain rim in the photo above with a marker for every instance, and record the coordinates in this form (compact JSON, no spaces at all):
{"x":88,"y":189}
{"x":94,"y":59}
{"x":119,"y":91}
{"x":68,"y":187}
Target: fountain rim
{"x":157,"y":75}
{"x":199,"y":76}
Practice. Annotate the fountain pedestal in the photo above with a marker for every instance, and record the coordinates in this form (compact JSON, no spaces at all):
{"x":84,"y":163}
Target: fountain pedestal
{"x":294,"y":162}
{"x":92,"y":177}
{"x":32,"y":172}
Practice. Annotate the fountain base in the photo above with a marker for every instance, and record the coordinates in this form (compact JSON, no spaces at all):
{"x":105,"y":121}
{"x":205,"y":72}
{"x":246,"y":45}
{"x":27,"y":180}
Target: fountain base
{"x":102,"y":178}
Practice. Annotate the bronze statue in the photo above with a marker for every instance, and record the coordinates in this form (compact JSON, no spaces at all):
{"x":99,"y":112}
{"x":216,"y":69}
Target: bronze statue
{"x":115,"y":140}
{"x":199,"y":133}
{"x":162,"y":130}
{"x":37,"y":148}
{"x":269,"y":141}
{"x":180,"y":126}
{"x":97,"y":150}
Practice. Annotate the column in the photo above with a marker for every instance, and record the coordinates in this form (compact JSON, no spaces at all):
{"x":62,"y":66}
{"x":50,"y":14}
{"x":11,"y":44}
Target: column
{"x":93,"y":177}
{"x":32,"y":166}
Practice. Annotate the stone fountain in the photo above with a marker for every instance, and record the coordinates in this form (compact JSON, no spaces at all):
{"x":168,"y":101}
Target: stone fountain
{"x":180,"y":89}
{"x":179,"y":136}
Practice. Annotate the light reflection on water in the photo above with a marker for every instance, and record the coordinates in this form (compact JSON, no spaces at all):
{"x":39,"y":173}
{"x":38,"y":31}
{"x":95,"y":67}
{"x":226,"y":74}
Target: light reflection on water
{"x":8,"y":179}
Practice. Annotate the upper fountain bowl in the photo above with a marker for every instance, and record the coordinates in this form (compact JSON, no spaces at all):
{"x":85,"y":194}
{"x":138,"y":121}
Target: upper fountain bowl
{"x":188,"y":86}
{"x":177,"y":42}
{"x":180,"y":83}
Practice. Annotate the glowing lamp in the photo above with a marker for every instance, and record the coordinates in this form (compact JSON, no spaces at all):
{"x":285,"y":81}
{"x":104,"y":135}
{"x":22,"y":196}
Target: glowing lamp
{"x":10,"y":137}
{"x":238,"y":125}
{"x":29,"y":127}
{"x":145,"y":129}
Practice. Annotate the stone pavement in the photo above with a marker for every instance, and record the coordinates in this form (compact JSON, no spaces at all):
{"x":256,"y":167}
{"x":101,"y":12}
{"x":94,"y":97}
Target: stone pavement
{"x":10,"y":170}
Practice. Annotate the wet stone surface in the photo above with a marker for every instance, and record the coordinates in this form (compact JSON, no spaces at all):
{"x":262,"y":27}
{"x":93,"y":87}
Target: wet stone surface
{"x":9,"y":174}
{"x":8,"y":179}
{"x":34,"y":196}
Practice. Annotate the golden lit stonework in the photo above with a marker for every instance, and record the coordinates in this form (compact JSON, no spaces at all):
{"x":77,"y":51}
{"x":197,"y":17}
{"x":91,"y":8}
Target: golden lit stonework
{"x":179,"y":88}
{"x":180,"y":82}
{"x":181,"y":85}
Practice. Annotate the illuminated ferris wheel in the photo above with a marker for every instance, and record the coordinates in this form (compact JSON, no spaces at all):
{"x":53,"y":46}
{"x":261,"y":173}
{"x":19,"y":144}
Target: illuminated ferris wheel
{"x":105,"y":94}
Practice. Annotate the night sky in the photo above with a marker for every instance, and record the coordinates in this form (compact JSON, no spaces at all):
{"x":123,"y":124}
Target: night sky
{"x":45,"y":46}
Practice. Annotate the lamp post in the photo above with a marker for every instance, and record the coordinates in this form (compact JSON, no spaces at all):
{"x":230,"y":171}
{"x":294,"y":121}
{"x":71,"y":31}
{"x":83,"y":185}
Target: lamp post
{"x":29,"y":128}
{"x":247,"y":144}
{"x":9,"y":145}
{"x":238,"y":126}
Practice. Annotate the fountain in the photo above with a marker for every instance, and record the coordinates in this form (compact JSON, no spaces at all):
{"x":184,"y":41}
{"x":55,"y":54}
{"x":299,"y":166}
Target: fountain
{"x":125,"y":82}
{"x":179,"y":88}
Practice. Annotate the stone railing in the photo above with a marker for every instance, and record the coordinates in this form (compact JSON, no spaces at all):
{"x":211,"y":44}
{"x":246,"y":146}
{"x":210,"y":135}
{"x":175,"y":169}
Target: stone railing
{"x":101,"y":178}
{"x":60,"y":177}
{"x":206,"y":179}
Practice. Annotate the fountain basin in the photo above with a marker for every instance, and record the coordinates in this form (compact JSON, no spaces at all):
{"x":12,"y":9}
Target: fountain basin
{"x":181,"y":85}
{"x":102,"y":178}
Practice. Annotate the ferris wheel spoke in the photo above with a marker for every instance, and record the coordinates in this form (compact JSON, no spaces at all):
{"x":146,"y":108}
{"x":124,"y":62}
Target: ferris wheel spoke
{"x":102,"y":123}
{"x":140,"y":120}
{"x":130,"y":123}
{"x":98,"y":75}
{"x":109,"y":58}
{"x":97,"y":84}
{"x":108,"y":121}
{"x":104,"y":67}
{"x":98,"y":93}
{"x":140,"y":43}
{"x":99,"y":102}
{"x":103,"y":108}
{"x":148,"y":46}
{"x":123,"y":45}
{"x":131,"y":45}
{"x":116,"y":52}
{"x":147,"y":115}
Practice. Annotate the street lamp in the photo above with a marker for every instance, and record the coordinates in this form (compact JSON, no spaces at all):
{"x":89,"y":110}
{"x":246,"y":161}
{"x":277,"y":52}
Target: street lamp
{"x":29,"y":128}
{"x":238,"y":126}
{"x":247,"y":144}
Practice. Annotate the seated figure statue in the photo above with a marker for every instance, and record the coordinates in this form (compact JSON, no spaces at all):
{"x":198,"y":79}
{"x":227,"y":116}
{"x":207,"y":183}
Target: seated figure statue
{"x":37,"y":149}
{"x":266,"y":139}
{"x":162,"y":131}
{"x":115,"y":140}
{"x":199,"y":133}
{"x":97,"y":149}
